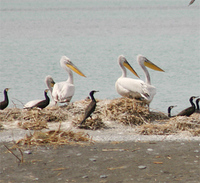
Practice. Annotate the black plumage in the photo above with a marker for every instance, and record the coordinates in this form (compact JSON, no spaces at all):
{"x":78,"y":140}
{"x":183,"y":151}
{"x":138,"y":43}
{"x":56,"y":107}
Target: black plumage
{"x":169,"y":110}
{"x":197,"y":105}
{"x":90,"y":108}
{"x":42,"y":104}
{"x":5,"y":102}
{"x":190,"y":110}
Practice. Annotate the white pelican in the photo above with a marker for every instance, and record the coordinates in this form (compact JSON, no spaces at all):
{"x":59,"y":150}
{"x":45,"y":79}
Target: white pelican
{"x":124,"y":85}
{"x":147,"y":90}
{"x":50,"y":84}
{"x":64,"y":91}
{"x":136,"y":88}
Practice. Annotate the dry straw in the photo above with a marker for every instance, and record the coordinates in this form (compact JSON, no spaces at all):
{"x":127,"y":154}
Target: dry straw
{"x":54,"y":137}
{"x":120,"y":110}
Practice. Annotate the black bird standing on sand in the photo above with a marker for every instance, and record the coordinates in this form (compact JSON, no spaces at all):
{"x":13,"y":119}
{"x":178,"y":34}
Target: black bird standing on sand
{"x":42,"y":104}
{"x":90,"y":108}
{"x":4,"y":103}
{"x":190,"y":110}
{"x":197,"y":104}
{"x":169,"y":110}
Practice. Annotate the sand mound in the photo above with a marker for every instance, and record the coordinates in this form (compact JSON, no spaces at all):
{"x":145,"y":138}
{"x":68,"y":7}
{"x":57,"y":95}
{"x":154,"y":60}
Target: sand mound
{"x":120,"y":110}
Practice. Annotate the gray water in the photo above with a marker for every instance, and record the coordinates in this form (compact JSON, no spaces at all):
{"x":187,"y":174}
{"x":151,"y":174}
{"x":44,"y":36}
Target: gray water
{"x":92,"y":33}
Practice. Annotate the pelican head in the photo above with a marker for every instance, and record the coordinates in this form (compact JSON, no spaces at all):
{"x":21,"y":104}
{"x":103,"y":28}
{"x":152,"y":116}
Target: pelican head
{"x":124,"y":63}
{"x":66,"y":63}
{"x":144,"y":61}
{"x":49,"y":81}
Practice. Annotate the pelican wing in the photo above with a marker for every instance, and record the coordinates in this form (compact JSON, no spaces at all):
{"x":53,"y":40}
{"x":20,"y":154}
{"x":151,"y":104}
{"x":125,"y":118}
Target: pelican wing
{"x":63,"y":92}
{"x":132,"y":88}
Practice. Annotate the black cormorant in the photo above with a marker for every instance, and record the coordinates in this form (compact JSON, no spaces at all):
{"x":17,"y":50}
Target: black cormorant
{"x":197,"y":104}
{"x":169,"y":110}
{"x":189,"y":110}
{"x":43,"y":103}
{"x":4,"y":103}
{"x":90,"y":108}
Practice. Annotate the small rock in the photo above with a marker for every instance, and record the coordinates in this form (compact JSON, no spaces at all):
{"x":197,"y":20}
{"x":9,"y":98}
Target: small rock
{"x":103,"y":176}
{"x":85,"y":176}
{"x":28,"y":152}
{"x":92,"y":159}
{"x":142,"y":167}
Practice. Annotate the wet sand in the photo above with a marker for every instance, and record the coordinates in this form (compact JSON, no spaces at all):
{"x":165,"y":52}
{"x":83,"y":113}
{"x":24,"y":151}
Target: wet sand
{"x":116,"y":154}
{"x":151,"y":161}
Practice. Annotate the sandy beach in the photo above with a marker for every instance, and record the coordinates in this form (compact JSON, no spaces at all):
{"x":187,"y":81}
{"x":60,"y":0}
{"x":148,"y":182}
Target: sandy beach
{"x":162,"y":150}
{"x":150,"y":161}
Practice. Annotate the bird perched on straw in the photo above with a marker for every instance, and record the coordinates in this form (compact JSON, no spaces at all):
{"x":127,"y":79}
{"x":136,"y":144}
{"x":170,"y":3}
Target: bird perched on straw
{"x":90,"y":108}
{"x":39,"y":103}
{"x":169,"y":110}
{"x":197,"y":105}
{"x":5,"y":102}
{"x":190,"y":110}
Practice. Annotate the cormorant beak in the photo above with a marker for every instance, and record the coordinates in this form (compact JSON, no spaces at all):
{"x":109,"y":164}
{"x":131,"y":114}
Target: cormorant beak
{"x":75,"y":69}
{"x":128,"y":66}
{"x":152,"y":65}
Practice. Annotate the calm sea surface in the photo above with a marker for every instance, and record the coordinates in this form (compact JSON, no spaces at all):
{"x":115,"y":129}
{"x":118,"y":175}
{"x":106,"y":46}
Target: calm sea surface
{"x":93,"y":33}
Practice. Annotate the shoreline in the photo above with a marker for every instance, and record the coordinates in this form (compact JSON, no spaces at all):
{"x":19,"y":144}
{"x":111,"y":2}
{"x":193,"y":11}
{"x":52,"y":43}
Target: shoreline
{"x":114,"y":132}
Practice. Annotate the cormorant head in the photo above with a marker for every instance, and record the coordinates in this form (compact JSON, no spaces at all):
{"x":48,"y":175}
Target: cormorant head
{"x":6,"y":89}
{"x":172,"y":106}
{"x":46,"y":90}
{"x":193,"y":97}
{"x":92,"y":92}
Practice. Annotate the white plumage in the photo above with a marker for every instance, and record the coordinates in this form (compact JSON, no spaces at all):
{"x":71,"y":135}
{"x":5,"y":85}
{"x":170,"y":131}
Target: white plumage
{"x":136,"y":88}
{"x":63,"y":91}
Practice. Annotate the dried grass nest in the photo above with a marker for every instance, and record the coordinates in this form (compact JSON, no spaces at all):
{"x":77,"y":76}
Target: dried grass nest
{"x":122,"y":110}
{"x":175,"y":125}
{"x":54,"y":137}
